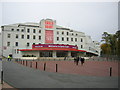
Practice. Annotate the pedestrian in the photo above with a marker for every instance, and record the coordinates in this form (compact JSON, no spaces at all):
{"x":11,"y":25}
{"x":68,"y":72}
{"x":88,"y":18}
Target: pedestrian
{"x":9,"y":57}
{"x":82,"y":60}
{"x":77,"y":60}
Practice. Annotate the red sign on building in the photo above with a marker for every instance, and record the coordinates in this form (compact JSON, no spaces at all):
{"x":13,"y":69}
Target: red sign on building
{"x":49,"y":24}
{"x":48,"y":36}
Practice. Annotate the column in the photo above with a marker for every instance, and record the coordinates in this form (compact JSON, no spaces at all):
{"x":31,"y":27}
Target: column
{"x":54,"y":54}
{"x":69,"y":53}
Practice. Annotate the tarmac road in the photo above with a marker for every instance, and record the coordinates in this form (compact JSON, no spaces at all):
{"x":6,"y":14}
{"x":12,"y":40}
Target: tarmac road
{"x":20,"y":76}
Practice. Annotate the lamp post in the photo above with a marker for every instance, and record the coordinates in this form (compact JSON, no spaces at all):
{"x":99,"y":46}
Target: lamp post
{"x":2,"y":32}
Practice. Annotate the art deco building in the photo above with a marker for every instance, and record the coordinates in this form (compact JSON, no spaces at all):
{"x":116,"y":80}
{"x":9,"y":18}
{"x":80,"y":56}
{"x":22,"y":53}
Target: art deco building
{"x":45,"y":39}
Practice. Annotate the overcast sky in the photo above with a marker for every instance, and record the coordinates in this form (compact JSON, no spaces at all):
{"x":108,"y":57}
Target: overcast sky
{"x":92,"y":18}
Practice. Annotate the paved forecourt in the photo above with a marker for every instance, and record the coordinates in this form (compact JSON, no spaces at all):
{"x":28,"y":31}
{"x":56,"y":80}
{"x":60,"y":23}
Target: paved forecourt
{"x":20,"y":76}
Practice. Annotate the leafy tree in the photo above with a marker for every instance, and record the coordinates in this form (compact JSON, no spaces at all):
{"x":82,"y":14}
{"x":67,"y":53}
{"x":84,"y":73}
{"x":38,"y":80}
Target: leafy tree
{"x":111,"y":43}
{"x":106,"y":49}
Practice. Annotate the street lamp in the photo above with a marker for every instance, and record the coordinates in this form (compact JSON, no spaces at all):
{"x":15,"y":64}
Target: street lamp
{"x":2,"y":32}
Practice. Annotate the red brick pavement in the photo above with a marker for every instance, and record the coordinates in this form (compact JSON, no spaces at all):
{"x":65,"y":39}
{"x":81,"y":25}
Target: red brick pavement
{"x":91,"y":68}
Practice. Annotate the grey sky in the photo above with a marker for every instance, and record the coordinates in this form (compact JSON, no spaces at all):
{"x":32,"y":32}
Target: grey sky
{"x":93,"y":18}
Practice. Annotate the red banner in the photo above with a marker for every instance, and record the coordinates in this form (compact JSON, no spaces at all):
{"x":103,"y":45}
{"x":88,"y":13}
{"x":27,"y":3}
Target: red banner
{"x":48,"y":36}
{"x":49,"y":24}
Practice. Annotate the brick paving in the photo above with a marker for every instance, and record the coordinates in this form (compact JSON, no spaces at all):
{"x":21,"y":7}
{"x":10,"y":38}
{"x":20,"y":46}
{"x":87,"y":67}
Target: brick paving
{"x":90,"y":68}
{"x":20,"y":76}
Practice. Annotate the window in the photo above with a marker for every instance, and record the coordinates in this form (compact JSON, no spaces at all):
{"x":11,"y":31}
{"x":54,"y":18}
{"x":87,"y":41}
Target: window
{"x":8,"y":35}
{"x":28,"y":36}
{"x":81,"y":46}
{"x":71,"y":39}
{"x":17,"y":51}
{"x":62,"y":33}
{"x":57,"y":38}
{"x":34,"y":31}
{"x":39,"y":31}
{"x":67,"y":39}
{"x":76,"y":34}
{"x":16,"y":35}
{"x":33,"y":43}
{"x":33,"y":36}
{"x":67,"y":33}
{"x":22,"y":30}
{"x":72,"y":34}
{"x":12,"y":29}
{"x":62,"y":38}
{"x":16,"y":43}
{"x":28,"y":44}
{"x":81,"y":40}
{"x":17,"y":29}
{"x":22,"y":36}
{"x":8,"y":43}
{"x":39,"y":37}
{"x":76,"y":39}
{"x":28,"y":30}
{"x":57,"y":32}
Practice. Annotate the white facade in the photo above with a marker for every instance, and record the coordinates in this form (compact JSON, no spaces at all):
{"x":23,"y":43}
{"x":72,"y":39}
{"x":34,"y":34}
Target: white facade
{"x":23,"y":35}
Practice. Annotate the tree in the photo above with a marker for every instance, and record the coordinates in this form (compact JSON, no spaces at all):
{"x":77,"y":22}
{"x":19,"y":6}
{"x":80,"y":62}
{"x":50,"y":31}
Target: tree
{"x":111,"y":43}
{"x":118,"y":42}
{"x":106,"y":49}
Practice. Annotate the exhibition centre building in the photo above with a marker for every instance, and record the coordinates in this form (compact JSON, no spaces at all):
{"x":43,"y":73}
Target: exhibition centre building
{"x":45,"y":39}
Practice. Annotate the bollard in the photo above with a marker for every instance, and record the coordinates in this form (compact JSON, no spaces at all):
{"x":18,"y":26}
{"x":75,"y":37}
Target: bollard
{"x":26,"y":62}
{"x":56,"y":67}
{"x":36,"y":65}
{"x":23,"y":62}
{"x":44,"y":66}
{"x":31,"y":64}
{"x":1,"y":76}
{"x":110,"y":71}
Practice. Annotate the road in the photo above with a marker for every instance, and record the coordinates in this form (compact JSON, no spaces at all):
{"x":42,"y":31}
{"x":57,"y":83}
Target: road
{"x":20,"y":76}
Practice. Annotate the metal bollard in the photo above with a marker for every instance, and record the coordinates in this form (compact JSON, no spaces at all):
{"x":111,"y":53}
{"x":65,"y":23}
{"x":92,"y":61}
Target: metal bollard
{"x":31,"y":64}
{"x":1,"y":76}
{"x":36,"y":65}
{"x":26,"y":62}
{"x":23,"y":62}
{"x":110,"y":71}
{"x":56,"y":67}
{"x":44,"y":66}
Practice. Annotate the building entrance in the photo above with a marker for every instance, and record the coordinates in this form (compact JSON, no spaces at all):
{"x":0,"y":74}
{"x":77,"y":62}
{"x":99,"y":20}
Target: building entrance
{"x":46,"y":54}
{"x":62,"y":53}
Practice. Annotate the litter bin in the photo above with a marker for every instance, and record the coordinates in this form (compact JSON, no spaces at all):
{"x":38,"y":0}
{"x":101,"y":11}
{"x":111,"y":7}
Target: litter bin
{"x":0,"y":59}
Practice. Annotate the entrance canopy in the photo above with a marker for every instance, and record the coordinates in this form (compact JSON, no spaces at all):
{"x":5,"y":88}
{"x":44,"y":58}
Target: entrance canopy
{"x":52,"y":47}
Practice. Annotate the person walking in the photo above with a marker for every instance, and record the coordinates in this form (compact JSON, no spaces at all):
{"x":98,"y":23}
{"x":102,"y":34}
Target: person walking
{"x":9,"y":57}
{"x":82,"y":61}
{"x":77,"y":60}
